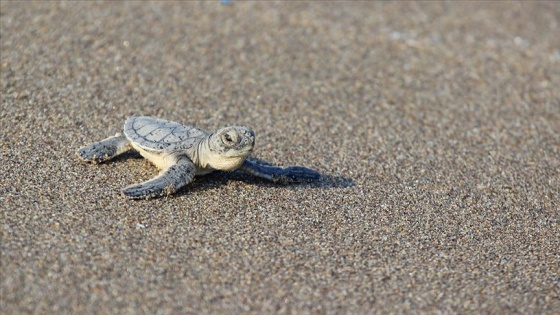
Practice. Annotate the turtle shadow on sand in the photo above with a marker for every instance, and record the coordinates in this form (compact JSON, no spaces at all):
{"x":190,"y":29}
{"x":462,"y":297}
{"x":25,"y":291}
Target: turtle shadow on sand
{"x":325,"y":181}
{"x":130,"y":155}
{"x":220,"y":178}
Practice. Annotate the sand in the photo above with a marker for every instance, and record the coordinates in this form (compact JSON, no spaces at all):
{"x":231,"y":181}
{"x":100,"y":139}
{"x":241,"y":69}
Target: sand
{"x":436,"y":127}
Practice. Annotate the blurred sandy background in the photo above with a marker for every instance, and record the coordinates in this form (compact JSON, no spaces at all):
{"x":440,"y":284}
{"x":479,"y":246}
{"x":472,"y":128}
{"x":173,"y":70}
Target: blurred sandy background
{"x":436,"y":125}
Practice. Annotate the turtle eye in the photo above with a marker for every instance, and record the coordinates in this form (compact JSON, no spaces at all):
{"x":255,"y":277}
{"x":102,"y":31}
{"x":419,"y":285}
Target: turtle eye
{"x":228,"y":139}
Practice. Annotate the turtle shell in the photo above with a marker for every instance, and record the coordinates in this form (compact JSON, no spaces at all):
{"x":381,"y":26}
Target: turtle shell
{"x":161,"y":135}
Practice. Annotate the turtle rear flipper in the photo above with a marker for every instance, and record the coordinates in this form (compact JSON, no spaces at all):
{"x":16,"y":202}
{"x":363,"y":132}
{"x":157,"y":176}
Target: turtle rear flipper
{"x":291,"y":174}
{"x":166,"y":183}
{"x":104,"y":150}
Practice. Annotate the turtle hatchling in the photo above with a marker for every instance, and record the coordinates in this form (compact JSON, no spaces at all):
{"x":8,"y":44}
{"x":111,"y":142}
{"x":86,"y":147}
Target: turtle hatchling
{"x":181,"y":152}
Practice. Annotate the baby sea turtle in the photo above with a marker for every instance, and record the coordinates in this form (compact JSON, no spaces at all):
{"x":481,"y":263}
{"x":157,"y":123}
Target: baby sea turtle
{"x":182,"y":151}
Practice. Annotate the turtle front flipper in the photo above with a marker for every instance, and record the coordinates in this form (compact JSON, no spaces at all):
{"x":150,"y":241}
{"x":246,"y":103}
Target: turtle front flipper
{"x":166,"y":183}
{"x":291,"y":174}
{"x":104,"y":150}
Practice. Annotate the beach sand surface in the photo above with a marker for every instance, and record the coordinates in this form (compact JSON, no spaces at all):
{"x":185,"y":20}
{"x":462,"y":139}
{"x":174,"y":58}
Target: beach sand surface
{"x":436,"y":126}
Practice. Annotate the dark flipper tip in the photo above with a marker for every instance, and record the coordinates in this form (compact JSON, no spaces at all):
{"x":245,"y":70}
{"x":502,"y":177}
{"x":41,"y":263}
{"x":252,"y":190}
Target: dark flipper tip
{"x":299,"y":174}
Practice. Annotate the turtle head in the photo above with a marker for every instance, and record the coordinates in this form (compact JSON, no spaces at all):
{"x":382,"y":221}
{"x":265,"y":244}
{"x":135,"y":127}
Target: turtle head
{"x":229,"y":146}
